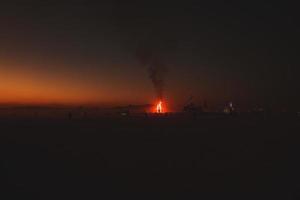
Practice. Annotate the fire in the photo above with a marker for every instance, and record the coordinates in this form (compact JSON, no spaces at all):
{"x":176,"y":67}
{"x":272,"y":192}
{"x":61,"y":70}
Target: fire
{"x":159,"y":107}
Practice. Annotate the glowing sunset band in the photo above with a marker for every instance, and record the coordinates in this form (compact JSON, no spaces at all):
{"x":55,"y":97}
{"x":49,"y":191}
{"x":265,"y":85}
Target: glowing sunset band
{"x":24,"y":86}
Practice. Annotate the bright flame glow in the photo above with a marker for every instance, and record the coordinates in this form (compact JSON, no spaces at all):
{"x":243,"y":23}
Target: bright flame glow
{"x":159,"y":107}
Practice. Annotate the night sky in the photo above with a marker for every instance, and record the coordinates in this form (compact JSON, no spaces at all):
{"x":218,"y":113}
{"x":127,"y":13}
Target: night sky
{"x":87,"y":53}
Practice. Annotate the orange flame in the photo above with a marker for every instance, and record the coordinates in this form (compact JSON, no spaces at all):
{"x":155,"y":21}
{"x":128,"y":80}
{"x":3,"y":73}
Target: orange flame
{"x":159,"y":107}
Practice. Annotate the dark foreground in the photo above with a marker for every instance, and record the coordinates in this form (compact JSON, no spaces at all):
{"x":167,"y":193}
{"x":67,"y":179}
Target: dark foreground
{"x":150,"y":158}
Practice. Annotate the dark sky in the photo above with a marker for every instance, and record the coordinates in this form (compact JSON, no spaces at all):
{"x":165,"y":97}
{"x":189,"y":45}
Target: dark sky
{"x":86,"y":52}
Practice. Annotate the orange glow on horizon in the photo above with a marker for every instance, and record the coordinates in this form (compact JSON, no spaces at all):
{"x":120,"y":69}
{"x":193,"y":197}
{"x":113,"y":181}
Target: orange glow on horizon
{"x":32,"y":86}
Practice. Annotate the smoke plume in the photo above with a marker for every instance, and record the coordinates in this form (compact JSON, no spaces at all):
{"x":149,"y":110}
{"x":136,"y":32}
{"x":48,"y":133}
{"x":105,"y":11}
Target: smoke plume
{"x":157,"y":69}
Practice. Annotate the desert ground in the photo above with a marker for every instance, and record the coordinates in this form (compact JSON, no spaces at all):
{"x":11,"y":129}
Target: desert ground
{"x":150,"y":157}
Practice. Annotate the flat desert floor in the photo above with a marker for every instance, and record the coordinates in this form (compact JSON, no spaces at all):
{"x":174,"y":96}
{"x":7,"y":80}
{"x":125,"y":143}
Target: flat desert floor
{"x":170,"y":157}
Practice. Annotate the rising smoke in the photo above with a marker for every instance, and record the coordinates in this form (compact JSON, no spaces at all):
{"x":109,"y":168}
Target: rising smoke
{"x":156,"y":67}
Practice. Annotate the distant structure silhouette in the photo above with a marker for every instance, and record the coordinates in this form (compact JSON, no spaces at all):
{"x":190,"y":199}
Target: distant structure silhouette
{"x":191,"y":109}
{"x":229,"y":109}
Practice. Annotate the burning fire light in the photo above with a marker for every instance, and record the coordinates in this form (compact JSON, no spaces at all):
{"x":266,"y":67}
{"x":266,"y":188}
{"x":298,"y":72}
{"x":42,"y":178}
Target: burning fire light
{"x":159,"y":107}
